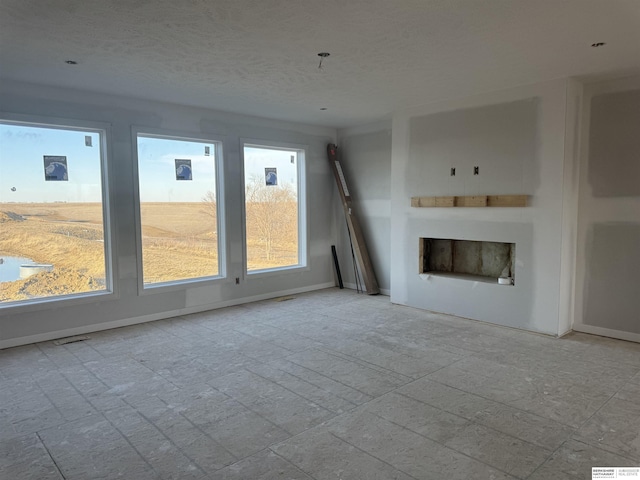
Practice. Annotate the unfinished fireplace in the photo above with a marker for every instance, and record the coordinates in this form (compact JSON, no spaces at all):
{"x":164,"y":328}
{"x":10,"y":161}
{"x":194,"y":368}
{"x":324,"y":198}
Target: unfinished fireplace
{"x":491,"y":262}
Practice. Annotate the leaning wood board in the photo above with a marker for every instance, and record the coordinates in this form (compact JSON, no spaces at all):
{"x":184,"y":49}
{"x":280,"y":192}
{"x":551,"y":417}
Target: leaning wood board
{"x":359,"y":245}
{"x":471,"y":201}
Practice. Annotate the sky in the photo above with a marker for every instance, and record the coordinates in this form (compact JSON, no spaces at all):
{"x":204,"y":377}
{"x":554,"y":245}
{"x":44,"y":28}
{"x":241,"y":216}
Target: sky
{"x":22,"y":175}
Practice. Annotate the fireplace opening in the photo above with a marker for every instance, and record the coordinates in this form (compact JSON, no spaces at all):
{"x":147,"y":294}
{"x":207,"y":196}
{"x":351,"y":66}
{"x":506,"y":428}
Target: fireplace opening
{"x":492,"y":262}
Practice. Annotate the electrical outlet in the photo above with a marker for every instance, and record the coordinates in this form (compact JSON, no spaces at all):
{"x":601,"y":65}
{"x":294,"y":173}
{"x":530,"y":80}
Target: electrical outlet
{"x":453,"y":171}
{"x":237,"y":280}
{"x":476,"y":170}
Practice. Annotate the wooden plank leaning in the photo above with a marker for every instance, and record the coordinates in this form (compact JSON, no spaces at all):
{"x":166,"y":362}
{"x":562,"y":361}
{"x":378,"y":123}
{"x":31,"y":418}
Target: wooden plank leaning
{"x":357,"y":238}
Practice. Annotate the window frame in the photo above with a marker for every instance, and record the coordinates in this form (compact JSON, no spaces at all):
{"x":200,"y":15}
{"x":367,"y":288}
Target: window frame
{"x":111,"y":290}
{"x":221,"y":223}
{"x":303,"y":213}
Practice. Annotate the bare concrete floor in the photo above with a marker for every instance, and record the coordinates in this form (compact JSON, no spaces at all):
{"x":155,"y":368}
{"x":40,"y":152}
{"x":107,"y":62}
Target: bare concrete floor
{"x":330,"y":385}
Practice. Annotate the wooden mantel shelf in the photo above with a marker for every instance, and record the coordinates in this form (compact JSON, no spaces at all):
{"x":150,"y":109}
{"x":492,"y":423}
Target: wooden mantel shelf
{"x":471,"y":201}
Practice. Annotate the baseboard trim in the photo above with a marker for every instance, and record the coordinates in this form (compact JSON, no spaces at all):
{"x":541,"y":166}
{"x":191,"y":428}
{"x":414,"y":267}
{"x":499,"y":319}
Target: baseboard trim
{"x":608,"y":332}
{"x":352,"y":286}
{"x":125,"y":322}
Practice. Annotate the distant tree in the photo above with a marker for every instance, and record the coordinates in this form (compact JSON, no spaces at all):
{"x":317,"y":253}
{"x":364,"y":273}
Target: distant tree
{"x":272,"y":214}
{"x":210,"y":204}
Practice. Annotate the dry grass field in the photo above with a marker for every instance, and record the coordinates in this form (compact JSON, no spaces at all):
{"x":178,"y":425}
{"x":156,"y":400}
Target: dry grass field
{"x":69,"y":236}
{"x":179,"y":242}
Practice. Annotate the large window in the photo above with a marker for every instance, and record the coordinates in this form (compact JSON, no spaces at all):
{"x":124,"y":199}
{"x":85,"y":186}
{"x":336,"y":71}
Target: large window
{"x":274,"y":206}
{"x":179,"y":209}
{"x":52,"y":212}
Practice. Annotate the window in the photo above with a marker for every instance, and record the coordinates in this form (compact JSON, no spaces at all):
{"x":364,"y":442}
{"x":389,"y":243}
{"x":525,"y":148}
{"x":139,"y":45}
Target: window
{"x":178,"y":209}
{"x":52,"y":212}
{"x":274,"y":205}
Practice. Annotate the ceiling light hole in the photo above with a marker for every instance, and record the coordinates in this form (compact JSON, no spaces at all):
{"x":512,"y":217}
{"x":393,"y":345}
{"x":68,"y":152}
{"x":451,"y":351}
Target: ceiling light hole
{"x":598,"y":44}
{"x":322,"y":56}
{"x":70,"y":62}
{"x":323,"y":108}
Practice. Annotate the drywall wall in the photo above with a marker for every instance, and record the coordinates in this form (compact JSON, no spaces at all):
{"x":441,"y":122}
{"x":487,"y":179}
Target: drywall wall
{"x":611,"y":285}
{"x":366,"y":161}
{"x":500,"y":140}
{"x":613,"y":169}
{"x":608,"y":241}
{"x":20,"y":325}
{"x":517,"y":138}
{"x":571,"y":180}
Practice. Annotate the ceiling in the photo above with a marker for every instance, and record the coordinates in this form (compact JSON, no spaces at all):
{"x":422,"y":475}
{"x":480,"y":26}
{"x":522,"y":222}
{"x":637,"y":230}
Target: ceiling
{"x":259,"y":57}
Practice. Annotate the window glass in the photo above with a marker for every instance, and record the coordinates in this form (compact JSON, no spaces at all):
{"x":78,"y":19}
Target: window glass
{"x":178,"y":209}
{"x":52,"y":239}
{"x":272,"y":207}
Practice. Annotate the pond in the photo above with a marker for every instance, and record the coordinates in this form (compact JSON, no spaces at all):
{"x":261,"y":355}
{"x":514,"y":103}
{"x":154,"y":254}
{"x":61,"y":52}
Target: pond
{"x":10,"y":267}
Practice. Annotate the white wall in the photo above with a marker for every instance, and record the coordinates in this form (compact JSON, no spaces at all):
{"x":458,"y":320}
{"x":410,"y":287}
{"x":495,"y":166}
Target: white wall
{"x":480,"y":130}
{"x":366,"y":161}
{"x":54,"y":319}
{"x":607,"y":293}
{"x":571,"y":179}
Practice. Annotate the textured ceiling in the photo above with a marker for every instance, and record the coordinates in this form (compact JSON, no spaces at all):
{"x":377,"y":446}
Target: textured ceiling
{"x":259,"y":56}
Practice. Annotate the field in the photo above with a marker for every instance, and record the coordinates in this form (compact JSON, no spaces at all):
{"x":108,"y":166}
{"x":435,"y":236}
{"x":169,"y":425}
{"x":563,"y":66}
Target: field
{"x":179,"y":242}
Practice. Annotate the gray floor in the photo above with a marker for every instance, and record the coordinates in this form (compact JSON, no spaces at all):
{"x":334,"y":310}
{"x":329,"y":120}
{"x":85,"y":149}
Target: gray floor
{"x":329,"y":385}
